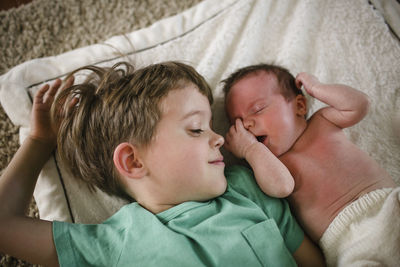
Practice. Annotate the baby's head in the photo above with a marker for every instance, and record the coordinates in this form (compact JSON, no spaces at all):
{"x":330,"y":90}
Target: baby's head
{"x":111,"y":132}
{"x":265,"y":98}
{"x":285,"y":80}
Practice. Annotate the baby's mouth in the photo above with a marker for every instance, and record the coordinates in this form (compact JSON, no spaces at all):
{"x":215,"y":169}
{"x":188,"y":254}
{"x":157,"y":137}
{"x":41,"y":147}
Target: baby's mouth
{"x":261,"y":138}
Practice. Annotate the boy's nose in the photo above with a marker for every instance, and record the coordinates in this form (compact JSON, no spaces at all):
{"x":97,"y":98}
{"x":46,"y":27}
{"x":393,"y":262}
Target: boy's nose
{"x":217,"y":140}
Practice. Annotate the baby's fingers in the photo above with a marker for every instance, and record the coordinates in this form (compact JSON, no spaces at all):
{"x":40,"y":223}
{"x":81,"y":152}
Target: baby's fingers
{"x":307,"y":80}
{"x":226,"y":144}
{"x":228,"y":140}
{"x":239,"y":125}
{"x":299,"y":79}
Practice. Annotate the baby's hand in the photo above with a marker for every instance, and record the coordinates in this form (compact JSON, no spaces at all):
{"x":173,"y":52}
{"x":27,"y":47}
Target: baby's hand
{"x":308,"y":81}
{"x":42,"y":128}
{"x":238,"y":140}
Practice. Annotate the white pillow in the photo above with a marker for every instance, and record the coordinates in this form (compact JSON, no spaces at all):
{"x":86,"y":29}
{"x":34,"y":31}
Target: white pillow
{"x":339,"y":41}
{"x":390,"y":10}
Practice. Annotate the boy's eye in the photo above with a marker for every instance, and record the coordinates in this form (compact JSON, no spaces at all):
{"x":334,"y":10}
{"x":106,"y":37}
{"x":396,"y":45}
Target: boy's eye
{"x":196,"y":131}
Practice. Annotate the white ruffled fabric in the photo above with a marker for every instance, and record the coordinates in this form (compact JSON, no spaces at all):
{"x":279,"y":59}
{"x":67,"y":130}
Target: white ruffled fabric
{"x":366,"y":232}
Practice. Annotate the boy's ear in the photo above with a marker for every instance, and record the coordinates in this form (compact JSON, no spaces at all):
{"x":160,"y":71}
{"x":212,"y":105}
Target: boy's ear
{"x":127,"y":161}
{"x":301,"y":105}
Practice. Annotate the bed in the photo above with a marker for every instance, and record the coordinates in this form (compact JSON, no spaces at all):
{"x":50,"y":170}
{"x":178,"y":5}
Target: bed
{"x":339,"y":41}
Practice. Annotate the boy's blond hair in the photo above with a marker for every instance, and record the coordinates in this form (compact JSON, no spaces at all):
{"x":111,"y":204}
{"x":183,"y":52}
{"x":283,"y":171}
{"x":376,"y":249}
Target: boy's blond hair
{"x":116,"y":105}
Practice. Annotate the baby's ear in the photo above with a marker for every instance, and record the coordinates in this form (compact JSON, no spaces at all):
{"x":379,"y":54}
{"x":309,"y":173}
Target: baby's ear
{"x":127,"y":161}
{"x":301,"y":105}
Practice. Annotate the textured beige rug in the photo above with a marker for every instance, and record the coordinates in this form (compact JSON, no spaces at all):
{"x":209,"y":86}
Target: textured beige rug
{"x":50,"y":27}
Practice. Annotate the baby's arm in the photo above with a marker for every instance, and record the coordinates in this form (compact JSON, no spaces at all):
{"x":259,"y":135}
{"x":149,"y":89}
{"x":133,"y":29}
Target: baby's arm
{"x":271,"y":175}
{"x":347,"y":106}
{"x":21,"y":236}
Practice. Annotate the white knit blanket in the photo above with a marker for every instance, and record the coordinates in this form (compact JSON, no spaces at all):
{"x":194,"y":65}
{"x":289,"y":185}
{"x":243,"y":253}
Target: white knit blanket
{"x":339,"y":41}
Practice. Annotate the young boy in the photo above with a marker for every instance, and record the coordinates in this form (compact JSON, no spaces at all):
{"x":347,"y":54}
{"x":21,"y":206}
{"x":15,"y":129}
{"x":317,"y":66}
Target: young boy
{"x":145,"y":134}
{"x":340,"y":195}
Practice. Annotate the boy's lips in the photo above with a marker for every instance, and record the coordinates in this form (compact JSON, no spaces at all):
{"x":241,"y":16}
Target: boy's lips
{"x":218,"y":161}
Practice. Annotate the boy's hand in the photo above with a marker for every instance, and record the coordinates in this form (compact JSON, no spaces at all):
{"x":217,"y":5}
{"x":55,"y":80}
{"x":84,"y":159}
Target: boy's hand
{"x":42,"y":128}
{"x":238,"y":140}
{"x":308,"y":81}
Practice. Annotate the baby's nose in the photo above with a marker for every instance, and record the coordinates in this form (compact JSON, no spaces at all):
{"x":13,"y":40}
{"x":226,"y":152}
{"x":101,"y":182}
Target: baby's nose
{"x":248,"y":123}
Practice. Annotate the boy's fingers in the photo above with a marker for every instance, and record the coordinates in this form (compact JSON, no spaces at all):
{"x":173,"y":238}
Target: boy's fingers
{"x":73,"y":102}
{"x":71,"y":105}
{"x":69,"y":82}
{"x":56,"y":83}
{"x":40,"y":93}
{"x":54,"y":88}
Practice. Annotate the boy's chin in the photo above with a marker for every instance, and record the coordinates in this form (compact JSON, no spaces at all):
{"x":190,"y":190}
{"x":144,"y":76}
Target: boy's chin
{"x":219,"y":188}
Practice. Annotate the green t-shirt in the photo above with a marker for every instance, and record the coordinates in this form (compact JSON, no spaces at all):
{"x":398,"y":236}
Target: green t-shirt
{"x":243,"y":227}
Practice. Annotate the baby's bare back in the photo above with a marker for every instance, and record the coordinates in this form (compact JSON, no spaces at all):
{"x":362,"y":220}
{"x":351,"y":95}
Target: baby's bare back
{"x":330,"y":172}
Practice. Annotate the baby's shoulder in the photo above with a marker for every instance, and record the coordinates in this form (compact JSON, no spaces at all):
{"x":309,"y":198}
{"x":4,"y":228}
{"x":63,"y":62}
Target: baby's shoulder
{"x":319,"y":128}
{"x":318,"y":120}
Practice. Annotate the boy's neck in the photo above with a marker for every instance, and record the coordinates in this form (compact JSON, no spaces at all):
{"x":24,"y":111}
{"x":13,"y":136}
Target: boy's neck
{"x":155,"y":208}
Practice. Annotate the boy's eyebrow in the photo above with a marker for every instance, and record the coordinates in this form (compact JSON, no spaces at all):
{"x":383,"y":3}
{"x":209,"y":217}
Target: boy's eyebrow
{"x":194,"y":113}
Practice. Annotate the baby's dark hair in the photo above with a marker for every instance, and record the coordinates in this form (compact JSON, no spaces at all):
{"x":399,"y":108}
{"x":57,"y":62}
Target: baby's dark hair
{"x":116,"y":105}
{"x":285,"y":79}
